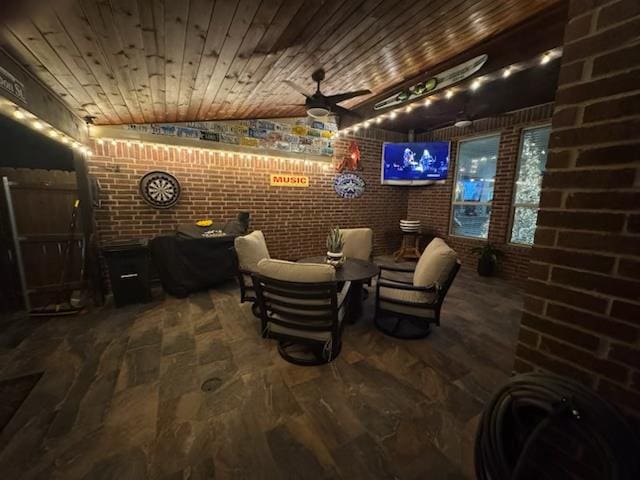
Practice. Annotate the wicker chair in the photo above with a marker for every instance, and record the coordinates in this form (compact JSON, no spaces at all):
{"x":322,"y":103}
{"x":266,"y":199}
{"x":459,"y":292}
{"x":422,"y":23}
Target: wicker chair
{"x":407,"y":305}
{"x":301,"y":307}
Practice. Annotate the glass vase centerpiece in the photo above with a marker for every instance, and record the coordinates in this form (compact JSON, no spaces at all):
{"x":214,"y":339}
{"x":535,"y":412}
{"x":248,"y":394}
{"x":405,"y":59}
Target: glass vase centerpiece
{"x":335,"y":244}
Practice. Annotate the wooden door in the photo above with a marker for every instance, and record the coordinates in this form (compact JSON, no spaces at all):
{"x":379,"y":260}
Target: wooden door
{"x":43,"y":204}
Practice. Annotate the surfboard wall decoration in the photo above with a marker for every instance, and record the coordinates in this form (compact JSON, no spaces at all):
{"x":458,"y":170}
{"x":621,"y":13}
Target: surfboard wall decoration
{"x":435,"y":83}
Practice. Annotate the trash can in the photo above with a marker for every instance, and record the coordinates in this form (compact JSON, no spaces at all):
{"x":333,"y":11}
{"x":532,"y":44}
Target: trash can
{"x":128,"y":264}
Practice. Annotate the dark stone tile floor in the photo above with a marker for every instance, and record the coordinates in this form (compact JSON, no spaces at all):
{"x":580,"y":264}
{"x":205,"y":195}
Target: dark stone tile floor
{"x":120,"y":394}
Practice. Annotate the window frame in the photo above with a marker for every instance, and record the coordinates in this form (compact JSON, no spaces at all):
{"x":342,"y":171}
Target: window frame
{"x":453,"y":202}
{"x":513,"y":204}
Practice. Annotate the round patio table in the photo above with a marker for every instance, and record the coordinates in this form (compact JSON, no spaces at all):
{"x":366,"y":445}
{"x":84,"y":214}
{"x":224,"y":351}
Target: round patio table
{"x":355,"y":271}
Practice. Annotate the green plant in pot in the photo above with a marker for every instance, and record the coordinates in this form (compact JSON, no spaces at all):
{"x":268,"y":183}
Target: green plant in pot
{"x":335,"y":243}
{"x":488,"y":256}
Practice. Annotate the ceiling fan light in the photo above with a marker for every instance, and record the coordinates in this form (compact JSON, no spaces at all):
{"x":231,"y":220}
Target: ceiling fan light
{"x":317,"y":112}
{"x":463,"y":123}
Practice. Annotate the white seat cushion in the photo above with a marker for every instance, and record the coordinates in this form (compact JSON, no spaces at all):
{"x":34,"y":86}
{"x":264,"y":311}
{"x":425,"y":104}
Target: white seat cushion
{"x":358,"y":242}
{"x":389,"y":293}
{"x":296,"y":272}
{"x":250,"y":250}
{"x":406,"y":295}
{"x":435,"y":264}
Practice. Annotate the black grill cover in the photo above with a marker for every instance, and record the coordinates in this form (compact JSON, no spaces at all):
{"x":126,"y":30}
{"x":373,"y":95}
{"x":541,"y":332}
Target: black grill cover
{"x":187,"y":265}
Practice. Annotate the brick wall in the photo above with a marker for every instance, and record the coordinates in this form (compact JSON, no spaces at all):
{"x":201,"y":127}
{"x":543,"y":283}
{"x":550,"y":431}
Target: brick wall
{"x":295,"y":221}
{"x":582,"y":303}
{"x":432,"y":204}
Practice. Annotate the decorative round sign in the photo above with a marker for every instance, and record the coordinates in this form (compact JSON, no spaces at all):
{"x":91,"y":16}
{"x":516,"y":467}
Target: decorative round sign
{"x":349,"y":185}
{"x":160,"y":189}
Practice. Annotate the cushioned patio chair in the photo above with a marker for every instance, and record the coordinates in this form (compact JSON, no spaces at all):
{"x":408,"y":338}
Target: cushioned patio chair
{"x":301,"y":307}
{"x":358,"y":243}
{"x":406,"y":305}
{"x":250,"y":249}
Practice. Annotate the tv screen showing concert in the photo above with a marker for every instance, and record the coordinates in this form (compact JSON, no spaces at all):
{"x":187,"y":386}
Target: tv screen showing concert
{"x":419,"y":163}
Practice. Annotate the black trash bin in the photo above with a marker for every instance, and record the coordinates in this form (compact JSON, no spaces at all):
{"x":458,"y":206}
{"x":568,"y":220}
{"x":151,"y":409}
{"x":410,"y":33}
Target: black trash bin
{"x":129,"y":266}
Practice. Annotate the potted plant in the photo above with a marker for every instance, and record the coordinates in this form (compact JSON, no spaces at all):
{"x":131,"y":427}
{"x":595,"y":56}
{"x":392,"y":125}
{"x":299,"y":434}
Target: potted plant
{"x":487,"y":259}
{"x":335,"y":243}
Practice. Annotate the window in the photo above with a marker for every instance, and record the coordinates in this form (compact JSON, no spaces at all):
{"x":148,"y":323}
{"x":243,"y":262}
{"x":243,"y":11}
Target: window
{"x":531,"y":162}
{"x":473,"y":193}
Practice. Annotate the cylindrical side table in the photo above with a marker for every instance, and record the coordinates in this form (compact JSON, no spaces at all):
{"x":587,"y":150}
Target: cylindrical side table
{"x":409,"y":248}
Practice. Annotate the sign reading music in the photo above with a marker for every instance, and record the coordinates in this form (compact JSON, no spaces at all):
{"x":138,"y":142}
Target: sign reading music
{"x":285,"y":180}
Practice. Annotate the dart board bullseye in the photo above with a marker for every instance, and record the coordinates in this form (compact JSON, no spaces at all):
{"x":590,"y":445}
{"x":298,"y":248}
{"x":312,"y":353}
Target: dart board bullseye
{"x":160,"y":189}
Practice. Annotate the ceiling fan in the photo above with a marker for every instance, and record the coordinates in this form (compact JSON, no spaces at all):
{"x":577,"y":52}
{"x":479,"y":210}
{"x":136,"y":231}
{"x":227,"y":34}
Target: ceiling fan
{"x":320,"y":105}
{"x":467,"y":116}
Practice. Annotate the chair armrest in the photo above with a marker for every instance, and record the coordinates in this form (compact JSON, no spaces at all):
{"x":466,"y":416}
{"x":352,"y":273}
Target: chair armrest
{"x":412,"y":288}
{"x":397,"y":269}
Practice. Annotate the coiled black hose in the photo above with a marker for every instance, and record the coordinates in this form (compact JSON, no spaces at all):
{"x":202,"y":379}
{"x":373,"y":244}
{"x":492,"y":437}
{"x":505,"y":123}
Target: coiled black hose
{"x":564,"y":420}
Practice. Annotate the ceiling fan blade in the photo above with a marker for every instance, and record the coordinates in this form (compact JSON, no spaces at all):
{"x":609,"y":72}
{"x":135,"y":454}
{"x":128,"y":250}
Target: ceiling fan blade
{"x":341,"y":97}
{"x":442,"y":125}
{"x":343,"y":112}
{"x":298,"y":88}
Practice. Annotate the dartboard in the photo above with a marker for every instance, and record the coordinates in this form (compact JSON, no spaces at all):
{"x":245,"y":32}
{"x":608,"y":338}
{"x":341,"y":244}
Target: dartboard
{"x":160,"y":189}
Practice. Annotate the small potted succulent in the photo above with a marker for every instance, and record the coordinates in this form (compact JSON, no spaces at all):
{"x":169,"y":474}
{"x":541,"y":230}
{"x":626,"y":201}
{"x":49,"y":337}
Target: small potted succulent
{"x":487,"y":259}
{"x":335,"y":243}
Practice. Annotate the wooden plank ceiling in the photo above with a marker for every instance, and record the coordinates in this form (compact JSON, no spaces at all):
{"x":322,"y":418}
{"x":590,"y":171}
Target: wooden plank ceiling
{"x":139,"y":61}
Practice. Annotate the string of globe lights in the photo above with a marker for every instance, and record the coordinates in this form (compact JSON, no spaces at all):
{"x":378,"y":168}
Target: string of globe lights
{"x":37,"y":124}
{"x":449,"y":93}
{"x":226,"y":154}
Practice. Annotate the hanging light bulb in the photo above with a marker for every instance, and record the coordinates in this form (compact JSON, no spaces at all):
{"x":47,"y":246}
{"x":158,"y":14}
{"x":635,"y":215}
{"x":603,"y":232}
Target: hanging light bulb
{"x":449,"y":94}
{"x":427,"y":102}
{"x":37,"y":125}
{"x":393,"y":114}
{"x":475,"y":85}
{"x":545,"y":58}
{"x":409,"y":108}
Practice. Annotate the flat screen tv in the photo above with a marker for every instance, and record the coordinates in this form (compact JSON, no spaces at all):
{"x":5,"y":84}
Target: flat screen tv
{"x":420,"y":163}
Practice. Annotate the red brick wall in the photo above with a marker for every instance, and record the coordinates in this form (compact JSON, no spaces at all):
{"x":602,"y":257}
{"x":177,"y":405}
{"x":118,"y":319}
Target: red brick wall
{"x":582,"y":303}
{"x":295,"y":221}
{"x":432,"y":204}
